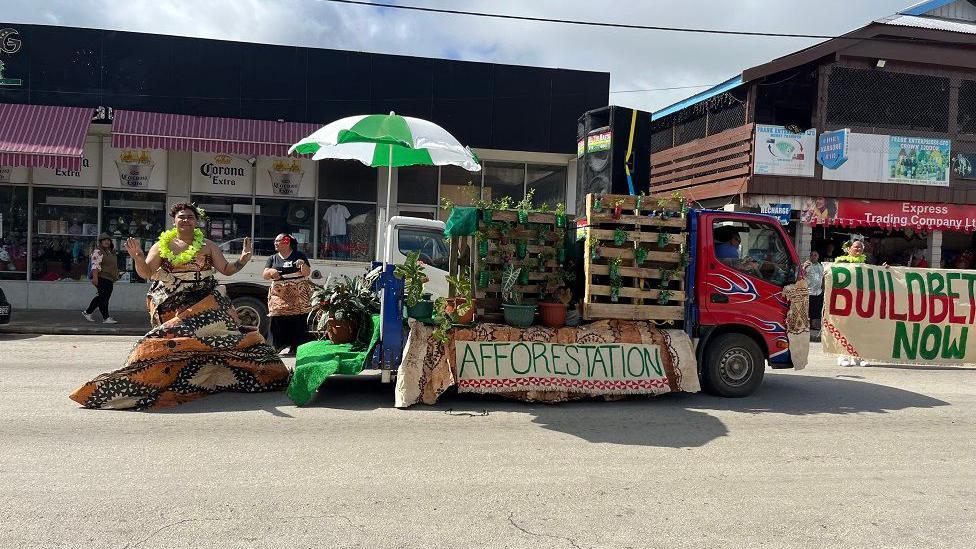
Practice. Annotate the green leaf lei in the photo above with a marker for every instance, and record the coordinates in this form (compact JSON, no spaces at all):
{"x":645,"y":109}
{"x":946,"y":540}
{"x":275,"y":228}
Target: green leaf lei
{"x":186,"y":255}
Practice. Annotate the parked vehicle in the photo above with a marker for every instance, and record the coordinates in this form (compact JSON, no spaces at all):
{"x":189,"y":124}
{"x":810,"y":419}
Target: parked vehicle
{"x":5,"y":308}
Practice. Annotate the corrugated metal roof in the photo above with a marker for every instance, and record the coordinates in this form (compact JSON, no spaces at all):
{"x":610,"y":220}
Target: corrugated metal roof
{"x":929,"y":23}
{"x":698,"y":97}
{"x":923,"y":7}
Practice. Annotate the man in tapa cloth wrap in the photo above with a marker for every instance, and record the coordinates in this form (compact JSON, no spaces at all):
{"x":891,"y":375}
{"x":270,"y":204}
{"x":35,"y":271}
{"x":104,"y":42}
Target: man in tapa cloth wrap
{"x":197,"y":345}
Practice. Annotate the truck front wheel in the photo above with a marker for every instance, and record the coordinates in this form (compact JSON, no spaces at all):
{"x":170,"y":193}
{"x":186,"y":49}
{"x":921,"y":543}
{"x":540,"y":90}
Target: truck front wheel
{"x":733,"y":366}
{"x":252,"y":312}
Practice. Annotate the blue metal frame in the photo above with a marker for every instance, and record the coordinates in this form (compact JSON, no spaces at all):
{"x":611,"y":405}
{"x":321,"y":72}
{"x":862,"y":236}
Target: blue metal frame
{"x":389,"y":350}
{"x":691,"y":306}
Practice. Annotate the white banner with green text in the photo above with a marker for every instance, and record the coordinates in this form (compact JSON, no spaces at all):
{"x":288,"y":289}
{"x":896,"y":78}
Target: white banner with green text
{"x":900,"y":315}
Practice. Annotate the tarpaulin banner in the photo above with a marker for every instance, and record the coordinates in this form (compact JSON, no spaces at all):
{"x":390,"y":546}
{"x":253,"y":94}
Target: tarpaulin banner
{"x":890,"y":214}
{"x":900,"y":314}
{"x":890,"y":159}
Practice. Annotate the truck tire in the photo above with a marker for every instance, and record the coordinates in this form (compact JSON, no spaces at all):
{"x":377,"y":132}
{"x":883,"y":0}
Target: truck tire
{"x":252,"y":312}
{"x":734,"y":366}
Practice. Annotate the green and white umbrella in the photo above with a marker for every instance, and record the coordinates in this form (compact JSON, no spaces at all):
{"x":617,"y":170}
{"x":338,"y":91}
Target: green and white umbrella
{"x":380,"y":140}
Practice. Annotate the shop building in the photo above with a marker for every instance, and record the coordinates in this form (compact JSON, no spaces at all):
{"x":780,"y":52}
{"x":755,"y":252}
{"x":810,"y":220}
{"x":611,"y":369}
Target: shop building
{"x":100,"y":131}
{"x":873,"y":133}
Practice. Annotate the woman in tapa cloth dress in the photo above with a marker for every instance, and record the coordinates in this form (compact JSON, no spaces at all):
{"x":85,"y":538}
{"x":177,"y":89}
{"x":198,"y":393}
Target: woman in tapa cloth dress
{"x":197,"y":345}
{"x":853,"y":254}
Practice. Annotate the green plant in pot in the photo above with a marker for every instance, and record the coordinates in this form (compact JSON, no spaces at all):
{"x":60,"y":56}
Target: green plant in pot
{"x":555,"y":300}
{"x":418,"y":303}
{"x":343,"y":310}
{"x":561,"y":215}
{"x":455,"y":310}
{"x":516,"y":313}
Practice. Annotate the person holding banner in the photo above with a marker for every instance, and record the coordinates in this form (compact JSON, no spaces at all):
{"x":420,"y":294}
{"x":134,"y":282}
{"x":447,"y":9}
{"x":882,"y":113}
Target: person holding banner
{"x":853,"y":254}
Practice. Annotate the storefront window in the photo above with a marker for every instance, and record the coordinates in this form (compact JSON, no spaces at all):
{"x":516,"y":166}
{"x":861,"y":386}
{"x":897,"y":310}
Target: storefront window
{"x":65,"y":230}
{"x":505,"y":179}
{"x":347,"y":231}
{"x":139,"y":215}
{"x":347,"y":180}
{"x":273,"y":216}
{"x":13,"y":232}
{"x":228,"y":221}
{"x":417,"y":185}
{"x":549,"y":183}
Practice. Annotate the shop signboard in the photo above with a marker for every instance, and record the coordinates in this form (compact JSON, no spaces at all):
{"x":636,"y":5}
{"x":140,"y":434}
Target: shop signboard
{"x":11,"y":174}
{"x":779,"y":211}
{"x":965,"y":165}
{"x":580,"y":148}
{"x":890,"y":214}
{"x":779,"y":151}
{"x":218,"y":173}
{"x":134,"y":169}
{"x":900,"y":315}
{"x":832,"y":148}
{"x":10,"y":45}
{"x":86,"y":177}
{"x":286,"y":177}
{"x":894,"y":159}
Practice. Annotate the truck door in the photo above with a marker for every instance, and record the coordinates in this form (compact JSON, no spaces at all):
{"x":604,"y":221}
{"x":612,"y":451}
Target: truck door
{"x":744,"y":263}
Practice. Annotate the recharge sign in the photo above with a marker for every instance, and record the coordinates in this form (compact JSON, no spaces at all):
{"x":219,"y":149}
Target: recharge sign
{"x":900,"y":315}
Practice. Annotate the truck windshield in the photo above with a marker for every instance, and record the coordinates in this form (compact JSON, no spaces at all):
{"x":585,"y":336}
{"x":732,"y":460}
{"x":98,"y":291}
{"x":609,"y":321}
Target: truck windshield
{"x":754,"y":248}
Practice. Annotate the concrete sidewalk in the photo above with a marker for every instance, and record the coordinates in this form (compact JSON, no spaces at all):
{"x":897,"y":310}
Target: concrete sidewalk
{"x":62,"y":322}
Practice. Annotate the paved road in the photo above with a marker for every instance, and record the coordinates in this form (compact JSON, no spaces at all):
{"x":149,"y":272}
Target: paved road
{"x":830,"y":457}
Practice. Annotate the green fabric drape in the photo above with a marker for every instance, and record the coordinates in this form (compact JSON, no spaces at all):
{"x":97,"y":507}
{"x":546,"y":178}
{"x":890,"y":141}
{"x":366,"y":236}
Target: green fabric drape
{"x":320,"y":359}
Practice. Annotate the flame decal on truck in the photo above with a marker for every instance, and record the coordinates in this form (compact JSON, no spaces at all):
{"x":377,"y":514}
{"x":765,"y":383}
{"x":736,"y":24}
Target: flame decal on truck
{"x":742,"y":288}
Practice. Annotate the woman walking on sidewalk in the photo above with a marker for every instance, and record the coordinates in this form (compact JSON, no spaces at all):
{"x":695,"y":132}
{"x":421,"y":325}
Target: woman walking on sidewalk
{"x":104,"y":272}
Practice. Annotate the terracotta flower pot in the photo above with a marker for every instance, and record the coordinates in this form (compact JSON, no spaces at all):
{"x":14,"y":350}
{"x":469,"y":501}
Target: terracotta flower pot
{"x":451,"y":306}
{"x":341,"y":331}
{"x":553,"y":315}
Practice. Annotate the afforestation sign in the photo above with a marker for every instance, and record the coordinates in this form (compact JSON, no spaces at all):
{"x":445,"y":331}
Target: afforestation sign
{"x":896,"y":314}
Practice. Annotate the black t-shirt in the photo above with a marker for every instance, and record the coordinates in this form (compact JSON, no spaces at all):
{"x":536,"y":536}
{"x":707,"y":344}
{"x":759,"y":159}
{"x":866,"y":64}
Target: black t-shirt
{"x":286,"y":267}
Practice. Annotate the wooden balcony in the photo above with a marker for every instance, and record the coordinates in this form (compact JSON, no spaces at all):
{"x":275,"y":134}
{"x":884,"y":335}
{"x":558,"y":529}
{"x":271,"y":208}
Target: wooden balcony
{"x":714,"y":166}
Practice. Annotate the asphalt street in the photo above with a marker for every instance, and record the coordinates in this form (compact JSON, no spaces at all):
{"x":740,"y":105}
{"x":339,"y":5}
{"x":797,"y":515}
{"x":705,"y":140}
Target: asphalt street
{"x":829,"y":457}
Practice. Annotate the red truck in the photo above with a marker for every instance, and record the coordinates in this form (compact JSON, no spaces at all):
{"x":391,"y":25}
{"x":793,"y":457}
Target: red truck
{"x":735,"y":312}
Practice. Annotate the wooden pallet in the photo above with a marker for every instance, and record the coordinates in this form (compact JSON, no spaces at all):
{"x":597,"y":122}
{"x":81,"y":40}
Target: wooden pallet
{"x":641,"y":286}
{"x":488,"y":299}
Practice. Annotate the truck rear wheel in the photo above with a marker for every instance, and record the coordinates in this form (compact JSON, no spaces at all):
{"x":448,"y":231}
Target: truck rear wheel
{"x":734,"y":366}
{"x":252,"y":312}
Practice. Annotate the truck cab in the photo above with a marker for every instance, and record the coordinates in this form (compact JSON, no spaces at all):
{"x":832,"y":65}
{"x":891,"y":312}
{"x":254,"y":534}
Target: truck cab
{"x":736,"y":312}
{"x":248,"y":290}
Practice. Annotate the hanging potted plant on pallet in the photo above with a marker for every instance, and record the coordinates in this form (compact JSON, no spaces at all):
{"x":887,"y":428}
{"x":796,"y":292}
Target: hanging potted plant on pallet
{"x":615,"y":280}
{"x":561,"y":215}
{"x":640,"y":255}
{"x":619,"y":236}
{"x":594,"y":243}
{"x":521,"y":248}
{"x":597,"y":203}
{"x":411,"y":271}
{"x":516,"y":313}
{"x":546,"y":257}
{"x":618,"y":208}
{"x":524,"y":206}
{"x":482,"y":239}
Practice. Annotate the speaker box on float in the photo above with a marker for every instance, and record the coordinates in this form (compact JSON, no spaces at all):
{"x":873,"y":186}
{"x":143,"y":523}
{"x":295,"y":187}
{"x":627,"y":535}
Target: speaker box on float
{"x":602,"y":139}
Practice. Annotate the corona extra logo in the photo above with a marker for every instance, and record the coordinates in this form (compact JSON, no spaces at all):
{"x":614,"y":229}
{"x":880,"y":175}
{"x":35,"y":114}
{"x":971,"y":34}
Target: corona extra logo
{"x":9,"y":44}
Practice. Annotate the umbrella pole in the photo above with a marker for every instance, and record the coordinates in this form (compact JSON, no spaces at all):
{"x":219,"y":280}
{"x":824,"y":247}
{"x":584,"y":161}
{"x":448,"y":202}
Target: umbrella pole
{"x":389,"y":194}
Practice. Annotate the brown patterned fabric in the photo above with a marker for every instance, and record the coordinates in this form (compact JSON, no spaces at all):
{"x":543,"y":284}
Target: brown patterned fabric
{"x":290,"y":297}
{"x":798,"y":322}
{"x":196,"y":347}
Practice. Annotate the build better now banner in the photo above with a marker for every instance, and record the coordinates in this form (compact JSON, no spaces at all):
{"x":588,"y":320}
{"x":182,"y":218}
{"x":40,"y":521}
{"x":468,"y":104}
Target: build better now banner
{"x":900,"y":315}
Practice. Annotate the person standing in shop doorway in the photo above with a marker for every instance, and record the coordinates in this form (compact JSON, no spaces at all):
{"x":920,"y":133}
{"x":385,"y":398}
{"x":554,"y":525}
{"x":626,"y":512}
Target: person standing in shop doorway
{"x":103,"y":274}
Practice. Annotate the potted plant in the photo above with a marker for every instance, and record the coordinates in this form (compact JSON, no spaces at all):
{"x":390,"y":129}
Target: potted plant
{"x":524,"y":206}
{"x":342,"y":309}
{"x":561,"y":215}
{"x":615,"y":280}
{"x":516,"y":313}
{"x":418,"y":303}
{"x":460,"y":307}
{"x":618,"y":207}
{"x":555,"y":301}
{"x":482,"y":239}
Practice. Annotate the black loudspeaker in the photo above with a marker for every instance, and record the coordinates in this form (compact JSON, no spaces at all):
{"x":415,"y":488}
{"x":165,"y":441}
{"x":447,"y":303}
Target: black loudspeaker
{"x":603,"y":137}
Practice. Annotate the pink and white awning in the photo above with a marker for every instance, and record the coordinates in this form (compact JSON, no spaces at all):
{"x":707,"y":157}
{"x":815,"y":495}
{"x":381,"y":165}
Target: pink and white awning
{"x":43,"y":136}
{"x":150,"y":130}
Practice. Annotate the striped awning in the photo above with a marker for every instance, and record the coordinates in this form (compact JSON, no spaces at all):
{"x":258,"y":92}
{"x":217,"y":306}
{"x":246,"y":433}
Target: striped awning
{"x":150,"y":130}
{"x":43,"y":136}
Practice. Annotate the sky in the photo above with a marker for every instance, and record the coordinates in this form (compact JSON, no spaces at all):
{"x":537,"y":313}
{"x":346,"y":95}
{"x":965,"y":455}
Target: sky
{"x":635,"y":59}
